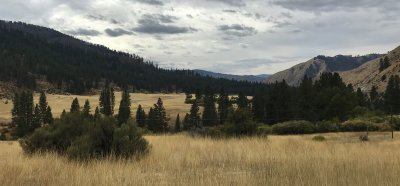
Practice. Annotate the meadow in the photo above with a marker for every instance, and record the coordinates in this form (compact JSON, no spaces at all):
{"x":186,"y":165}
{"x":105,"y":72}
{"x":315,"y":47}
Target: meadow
{"x":182,"y":160}
{"x":174,"y":103}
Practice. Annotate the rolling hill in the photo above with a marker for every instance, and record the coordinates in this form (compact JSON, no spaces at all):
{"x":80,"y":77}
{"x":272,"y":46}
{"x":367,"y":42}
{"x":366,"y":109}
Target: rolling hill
{"x":314,"y":67}
{"x":369,"y":74}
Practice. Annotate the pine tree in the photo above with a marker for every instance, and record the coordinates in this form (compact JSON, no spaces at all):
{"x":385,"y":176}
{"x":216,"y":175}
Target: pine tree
{"x":75,"y":107}
{"x":43,"y":105}
{"x":37,"y":118}
{"x":23,"y":114}
{"x":374,"y":98}
{"x":86,"y":109}
{"x":97,"y":114}
{"x":63,"y":114}
{"x":223,"y":106}
{"x":152,"y":121}
{"x":107,"y":101}
{"x":242,"y":101}
{"x":209,"y":113}
{"x":361,"y":98}
{"x":194,"y":116}
{"x":48,"y":116}
{"x":177,"y":124}
{"x":258,"y":106}
{"x":124,"y":112}
{"x":161,"y":116}
{"x":392,"y":95}
{"x":186,"y":122}
{"x":140,"y":117}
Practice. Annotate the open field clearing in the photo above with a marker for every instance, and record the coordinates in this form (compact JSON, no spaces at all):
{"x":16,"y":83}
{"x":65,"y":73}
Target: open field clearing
{"x":182,"y":160}
{"x":174,"y":103}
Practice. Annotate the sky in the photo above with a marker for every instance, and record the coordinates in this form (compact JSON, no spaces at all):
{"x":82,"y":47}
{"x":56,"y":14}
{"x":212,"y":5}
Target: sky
{"x":227,"y":36}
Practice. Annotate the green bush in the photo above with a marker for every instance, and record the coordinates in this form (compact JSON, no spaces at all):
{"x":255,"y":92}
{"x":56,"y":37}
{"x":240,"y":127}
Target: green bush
{"x":294,"y":127}
{"x":327,"y":126}
{"x":264,"y":130}
{"x":79,"y":138}
{"x":357,"y":125}
{"x":319,"y":138}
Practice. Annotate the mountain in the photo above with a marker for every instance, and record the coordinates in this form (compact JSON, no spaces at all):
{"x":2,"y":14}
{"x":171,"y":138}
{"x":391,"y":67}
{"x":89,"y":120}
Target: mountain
{"x":34,"y":57}
{"x":250,"y":78}
{"x":369,"y":74}
{"x":314,"y":67}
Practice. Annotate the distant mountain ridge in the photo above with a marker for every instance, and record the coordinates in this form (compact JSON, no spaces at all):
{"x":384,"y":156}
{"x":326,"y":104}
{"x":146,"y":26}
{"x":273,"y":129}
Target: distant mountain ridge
{"x":316,"y":66}
{"x":250,"y":78}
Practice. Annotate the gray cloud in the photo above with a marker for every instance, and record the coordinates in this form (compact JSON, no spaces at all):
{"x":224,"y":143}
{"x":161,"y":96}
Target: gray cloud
{"x":156,"y":24}
{"x":83,"y":32}
{"x":117,"y":32}
{"x":237,"y":3}
{"x":331,"y":5}
{"x":237,"y":30}
{"x":152,"y":2}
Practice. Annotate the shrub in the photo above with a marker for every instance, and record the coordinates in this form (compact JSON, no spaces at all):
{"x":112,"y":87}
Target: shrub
{"x":357,"y":125}
{"x":264,"y":130}
{"x":294,"y":127}
{"x":327,"y":126}
{"x":319,"y":138}
{"x":78,"y":138}
{"x":364,"y":138}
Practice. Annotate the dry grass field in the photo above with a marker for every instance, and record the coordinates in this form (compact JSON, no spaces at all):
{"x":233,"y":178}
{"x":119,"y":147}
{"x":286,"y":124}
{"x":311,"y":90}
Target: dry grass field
{"x":182,"y":160}
{"x":174,"y":103}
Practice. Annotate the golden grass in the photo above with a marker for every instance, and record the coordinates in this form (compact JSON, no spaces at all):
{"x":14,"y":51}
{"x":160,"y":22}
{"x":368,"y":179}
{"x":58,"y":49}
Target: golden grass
{"x":174,"y":103}
{"x":182,"y":160}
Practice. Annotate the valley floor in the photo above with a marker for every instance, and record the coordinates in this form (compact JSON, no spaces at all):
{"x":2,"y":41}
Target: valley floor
{"x":182,"y":160}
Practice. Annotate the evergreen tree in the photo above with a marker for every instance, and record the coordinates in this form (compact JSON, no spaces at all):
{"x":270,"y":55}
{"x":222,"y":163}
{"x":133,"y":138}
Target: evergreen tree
{"x":361,"y":98}
{"x":392,"y":95}
{"x":158,"y":121}
{"x":306,"y":100}
{"x":186,"y":122}
{"x":75,"y":107}
{"x":37,"y":118}
{"x":152,"y":120}
{"x":374,"y":98}
{"x":223,"y":106}
{"x":107,"y":101}
{"x":97,"y":114}
{"x":194,"y":116}
{"x":177,"y":124}
{"x":48,"y":116}
{"x":141,"y":117}
{"x":86,"y":109}
{"x":124,"y":112}
{"x":23,"y":114}
{"x":384,"y":64}
{"x":43,"y":105}
{"x":242,"y":101}
{"x":63,"y":113}
{"x":209,"y":113}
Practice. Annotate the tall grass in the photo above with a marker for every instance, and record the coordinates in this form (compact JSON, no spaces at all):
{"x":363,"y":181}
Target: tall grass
{"x":182,"y":160}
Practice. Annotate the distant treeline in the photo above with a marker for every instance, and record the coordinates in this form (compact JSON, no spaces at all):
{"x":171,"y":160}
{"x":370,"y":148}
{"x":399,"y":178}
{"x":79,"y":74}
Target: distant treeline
{"x":30,"y":53}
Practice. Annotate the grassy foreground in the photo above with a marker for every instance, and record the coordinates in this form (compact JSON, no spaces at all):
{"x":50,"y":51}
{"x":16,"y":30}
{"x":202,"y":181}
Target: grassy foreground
{"x":182,"y":160}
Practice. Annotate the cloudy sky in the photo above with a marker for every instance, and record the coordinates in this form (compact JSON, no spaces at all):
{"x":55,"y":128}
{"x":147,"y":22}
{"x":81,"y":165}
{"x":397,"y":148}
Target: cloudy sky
{"x":229,"y":36}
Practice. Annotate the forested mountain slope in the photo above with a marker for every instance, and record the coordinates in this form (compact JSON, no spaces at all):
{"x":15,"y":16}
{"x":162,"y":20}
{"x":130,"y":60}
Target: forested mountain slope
{"x":31,"y":55}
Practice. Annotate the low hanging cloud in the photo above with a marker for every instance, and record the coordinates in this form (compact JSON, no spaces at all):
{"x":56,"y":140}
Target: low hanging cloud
{"x":83,"y":32}
{"x":237,"y":30}
{"x":158,"y":24}
{"x":332,"y":5}
{"x":117,"y":32}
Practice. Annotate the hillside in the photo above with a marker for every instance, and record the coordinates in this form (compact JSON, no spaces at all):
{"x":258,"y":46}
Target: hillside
{"x":250,"y":78}
{"x":34,"y":57}
{"x":314,"y":67}
{"x":368,"y":74}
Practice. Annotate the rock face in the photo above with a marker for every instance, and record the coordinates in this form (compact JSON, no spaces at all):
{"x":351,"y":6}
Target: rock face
{"x":316,"y":66}
{"x":369,"y":74}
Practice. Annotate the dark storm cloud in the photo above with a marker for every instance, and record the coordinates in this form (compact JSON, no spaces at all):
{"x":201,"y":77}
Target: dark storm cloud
{"x":237,"y":30}
{"x":117,"y":32}
{"x":152,"y":2}
{"x":84,"y":32}
{"x":158,"y":24}
{"x":332,"y":5}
